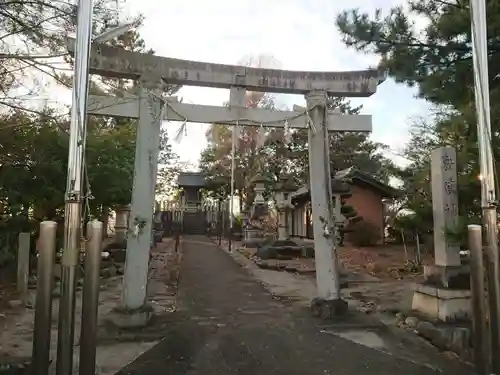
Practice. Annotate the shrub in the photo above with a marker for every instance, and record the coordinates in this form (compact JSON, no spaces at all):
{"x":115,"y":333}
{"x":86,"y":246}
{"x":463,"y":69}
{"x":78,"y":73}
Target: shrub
{"x":364,"y":233}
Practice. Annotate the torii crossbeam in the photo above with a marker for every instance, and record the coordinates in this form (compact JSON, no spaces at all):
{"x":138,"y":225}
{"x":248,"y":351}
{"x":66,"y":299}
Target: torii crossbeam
{"x":128,"y":107}
{"x":116,"y":62}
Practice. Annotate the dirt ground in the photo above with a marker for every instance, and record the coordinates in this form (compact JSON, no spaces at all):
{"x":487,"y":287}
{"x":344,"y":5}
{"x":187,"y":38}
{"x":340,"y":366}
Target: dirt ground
{"x":7,"y":286}
{"x":8,"y":280}
{"x":380,"y":279}
{"x":115,"y":348}
{"x":385,"y":262}
{"x":384,"y":278}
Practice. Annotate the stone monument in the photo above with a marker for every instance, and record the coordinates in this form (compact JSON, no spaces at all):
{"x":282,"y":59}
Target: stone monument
{"x":445,"y":294}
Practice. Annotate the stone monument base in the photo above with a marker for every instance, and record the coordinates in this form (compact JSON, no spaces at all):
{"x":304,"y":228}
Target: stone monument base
{"x":446,"y":305}
{"x":124,"y":318}
{"x":328,"y":309}
{"x":453,"y":277}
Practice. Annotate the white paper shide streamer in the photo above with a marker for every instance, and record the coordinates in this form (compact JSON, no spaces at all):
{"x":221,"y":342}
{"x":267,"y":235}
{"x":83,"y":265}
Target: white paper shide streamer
{"x":261,"y":138}
{"x":287,"y":133}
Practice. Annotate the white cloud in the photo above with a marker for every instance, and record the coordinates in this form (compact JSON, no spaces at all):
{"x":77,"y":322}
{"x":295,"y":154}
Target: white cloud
{"x":300,"y":34}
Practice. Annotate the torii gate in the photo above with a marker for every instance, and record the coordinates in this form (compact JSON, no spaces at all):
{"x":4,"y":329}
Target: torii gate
{"x":153,"y":71}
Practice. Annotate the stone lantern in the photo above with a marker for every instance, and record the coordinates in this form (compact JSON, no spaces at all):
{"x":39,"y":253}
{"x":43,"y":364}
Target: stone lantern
{"x":283,"y":200}
{"x":252,"y":230}
{"x":259,"y":207}
{"x":122,"y":214}
{"x":283,"y":246}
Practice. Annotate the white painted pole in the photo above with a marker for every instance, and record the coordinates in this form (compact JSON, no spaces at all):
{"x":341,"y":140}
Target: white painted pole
{"x":234,"y":137}
{"x":237,"y":100}
{"x":487,"y":167}
{"x":73,"y":198}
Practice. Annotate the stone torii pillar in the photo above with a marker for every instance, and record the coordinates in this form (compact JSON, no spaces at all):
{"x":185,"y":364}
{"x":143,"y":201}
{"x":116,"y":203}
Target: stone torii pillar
{"x":134,"y":310}
{"x":328,"y":302}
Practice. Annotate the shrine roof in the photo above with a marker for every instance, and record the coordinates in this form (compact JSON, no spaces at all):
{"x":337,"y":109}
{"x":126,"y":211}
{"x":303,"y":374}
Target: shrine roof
{"x":193,"y":179}
{"x":358,"y":178}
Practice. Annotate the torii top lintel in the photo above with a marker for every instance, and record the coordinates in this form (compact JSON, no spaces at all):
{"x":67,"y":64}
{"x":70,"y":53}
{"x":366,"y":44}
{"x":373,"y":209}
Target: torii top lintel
{"x":118,"y":63}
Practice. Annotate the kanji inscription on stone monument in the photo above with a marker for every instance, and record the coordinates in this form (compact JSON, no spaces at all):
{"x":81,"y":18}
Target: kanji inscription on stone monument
{"x":444,"y":204}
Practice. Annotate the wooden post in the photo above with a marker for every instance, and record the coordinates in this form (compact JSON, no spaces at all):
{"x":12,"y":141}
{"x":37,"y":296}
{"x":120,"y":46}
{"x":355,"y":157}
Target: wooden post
{"x":23,"y":265}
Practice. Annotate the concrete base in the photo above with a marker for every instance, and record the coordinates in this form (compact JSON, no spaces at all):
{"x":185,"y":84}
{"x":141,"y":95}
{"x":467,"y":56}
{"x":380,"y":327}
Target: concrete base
{"x":446,"y":305}
{"x":124,"y":318}
{"x":328,"y":309}
{"x":454,"y":277}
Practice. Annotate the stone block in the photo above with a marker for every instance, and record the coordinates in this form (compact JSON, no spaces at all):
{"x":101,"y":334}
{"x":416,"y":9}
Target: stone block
{"x":328,"y":309}
{"x":266,"y":252}
{"x":123,"y":318}
{"x":447,"y":305}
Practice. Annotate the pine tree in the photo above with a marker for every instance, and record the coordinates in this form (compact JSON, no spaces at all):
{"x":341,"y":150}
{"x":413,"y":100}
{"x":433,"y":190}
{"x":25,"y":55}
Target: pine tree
{"x":341,"y":190}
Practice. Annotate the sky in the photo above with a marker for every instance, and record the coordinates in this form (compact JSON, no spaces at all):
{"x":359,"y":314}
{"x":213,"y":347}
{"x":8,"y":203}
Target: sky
{"x":298,"y":34}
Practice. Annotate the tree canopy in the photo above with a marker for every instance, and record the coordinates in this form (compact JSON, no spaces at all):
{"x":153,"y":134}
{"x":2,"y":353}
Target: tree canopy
{"x":274,"y":157}
{"x":34,"y":131}
{"x":429,"y":46}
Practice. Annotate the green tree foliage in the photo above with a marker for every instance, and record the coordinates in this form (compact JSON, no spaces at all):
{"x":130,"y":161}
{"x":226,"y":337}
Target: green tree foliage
{"x":347,"y":149}
{"x":34,"y":147}
{"x":33,"y":43}
{"x":342,"y":191}
{"x":437,"y":58}
{"x":251,"y":159}
{"x":277,"y":158}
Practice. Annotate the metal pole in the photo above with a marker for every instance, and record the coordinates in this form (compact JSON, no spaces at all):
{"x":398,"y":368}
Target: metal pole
{"x":487,"y":169}
{"x":233,"y":166}
{"x":72,"y":224}
{"x":480,"y":332}
{"x":90,"y":303}
{"x":43,"y":303}
{"x":236,"y":100}
{"x":219,"y":222}
{"x":223,"y":228}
